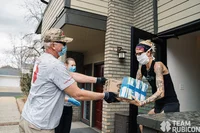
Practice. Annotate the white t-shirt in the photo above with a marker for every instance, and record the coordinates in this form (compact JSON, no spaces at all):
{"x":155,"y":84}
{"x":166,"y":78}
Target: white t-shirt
{"x":44,"y":104}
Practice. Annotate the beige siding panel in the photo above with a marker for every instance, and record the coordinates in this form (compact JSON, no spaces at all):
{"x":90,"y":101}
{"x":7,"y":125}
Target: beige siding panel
{"x":147,"y":26}
{"x":163,"y":2}
{"x":103,"y":3}
{"x":172,"y":4}
{"x":92,"y":6}
{"x":146,"y":16}
{"x":181,"y":15}
{"x":53,"y":10}
{"x":180,"y":22}
{"x":176,"y":13}
{"x":138,"y":10}
{"x":143,"y":15}
{"x":177,"y":9}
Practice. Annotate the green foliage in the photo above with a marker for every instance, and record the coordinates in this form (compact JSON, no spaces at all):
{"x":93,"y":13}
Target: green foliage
{"x":25,"y":83}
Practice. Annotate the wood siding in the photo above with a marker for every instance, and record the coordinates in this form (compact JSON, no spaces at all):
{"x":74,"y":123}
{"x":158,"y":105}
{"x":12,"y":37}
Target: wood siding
{"x":93,"y":6}
{"x":173,"y":13}
{"x":53,"y":10}
{"x":143,"y":15}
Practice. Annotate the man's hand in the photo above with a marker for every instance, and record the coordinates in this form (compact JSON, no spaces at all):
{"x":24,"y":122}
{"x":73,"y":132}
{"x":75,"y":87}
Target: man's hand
{"x":110,"y":97}
{"x":101,"y":80}
{"x":74,"y":101}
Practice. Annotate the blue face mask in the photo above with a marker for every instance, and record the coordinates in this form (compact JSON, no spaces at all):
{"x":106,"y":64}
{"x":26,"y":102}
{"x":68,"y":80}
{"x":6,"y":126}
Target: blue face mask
{"x":63,"y":51}
{"x":72,"y":69}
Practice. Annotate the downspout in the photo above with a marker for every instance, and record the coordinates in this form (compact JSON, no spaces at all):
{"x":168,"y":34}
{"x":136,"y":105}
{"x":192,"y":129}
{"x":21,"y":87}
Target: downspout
{"x":155,"y":16}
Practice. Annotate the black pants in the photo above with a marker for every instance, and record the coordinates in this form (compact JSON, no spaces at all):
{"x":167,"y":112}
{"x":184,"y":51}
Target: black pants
{"x":65,"y":121}
{"x":169,"y":107}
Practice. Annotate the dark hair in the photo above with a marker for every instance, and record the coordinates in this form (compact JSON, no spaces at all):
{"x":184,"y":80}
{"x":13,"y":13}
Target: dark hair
{"x":69,"y":59}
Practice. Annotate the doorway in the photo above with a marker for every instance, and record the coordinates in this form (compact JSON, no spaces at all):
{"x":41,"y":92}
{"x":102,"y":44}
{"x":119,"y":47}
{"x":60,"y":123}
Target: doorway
{"x":86,"y":104}
{"x":183,"y":62}
{"x":98,"y":72}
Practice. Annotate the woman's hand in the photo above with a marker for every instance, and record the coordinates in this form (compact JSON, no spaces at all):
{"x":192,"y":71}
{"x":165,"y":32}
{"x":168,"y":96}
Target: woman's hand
{"x":135,"y":101}
{"x":138,"y":102}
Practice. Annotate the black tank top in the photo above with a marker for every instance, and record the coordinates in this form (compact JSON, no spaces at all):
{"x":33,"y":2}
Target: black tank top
{"x":170,"y":94}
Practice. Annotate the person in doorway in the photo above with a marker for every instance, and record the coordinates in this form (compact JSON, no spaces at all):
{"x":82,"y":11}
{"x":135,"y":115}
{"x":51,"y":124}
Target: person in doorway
{"x":50,"y":82}
{"x":159,"y":78}
{"x":66,"y":118}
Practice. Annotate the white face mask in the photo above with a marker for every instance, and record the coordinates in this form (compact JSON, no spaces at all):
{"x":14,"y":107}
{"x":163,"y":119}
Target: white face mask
{"x":143,"y":59}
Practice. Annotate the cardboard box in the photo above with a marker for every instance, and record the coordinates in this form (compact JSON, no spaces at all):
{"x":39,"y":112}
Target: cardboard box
{"x":112,"y":85}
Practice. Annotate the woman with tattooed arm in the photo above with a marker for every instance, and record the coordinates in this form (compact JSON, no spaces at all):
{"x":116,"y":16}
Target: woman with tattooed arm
{"x":158,"y":76}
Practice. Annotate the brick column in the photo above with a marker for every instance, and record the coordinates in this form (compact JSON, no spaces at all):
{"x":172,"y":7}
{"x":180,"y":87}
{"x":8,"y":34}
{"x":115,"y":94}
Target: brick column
{"x":119,"y":22}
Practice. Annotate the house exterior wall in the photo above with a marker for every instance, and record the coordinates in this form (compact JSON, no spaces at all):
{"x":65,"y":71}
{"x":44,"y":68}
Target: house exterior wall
{"x":56,"y":7}
{"x":51,"y":13}
{"x":92,"y":6}
{"x":93,"y":58}
{"x":9,"y":81}
{"x":173,"y":13}
{"x":183,"y":62}
{"x":143,"y":15}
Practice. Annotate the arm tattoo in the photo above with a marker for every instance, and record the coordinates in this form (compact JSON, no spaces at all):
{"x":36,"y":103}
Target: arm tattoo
{"x":159,"y":84}
{"x":154,"y":97}
{"x":139,"y":74}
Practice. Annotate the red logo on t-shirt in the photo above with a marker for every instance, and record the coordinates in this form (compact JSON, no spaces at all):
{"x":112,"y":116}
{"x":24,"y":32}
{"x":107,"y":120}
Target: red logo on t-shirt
{"x":35,"y":74}
{"x":68,"y":80}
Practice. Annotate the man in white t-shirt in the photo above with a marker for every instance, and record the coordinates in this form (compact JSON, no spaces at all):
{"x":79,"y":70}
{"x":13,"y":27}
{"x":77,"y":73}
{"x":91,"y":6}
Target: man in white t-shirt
{"x":50,"y":82}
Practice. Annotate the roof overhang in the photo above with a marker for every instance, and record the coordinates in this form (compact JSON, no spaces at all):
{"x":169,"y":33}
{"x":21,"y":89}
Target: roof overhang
{"x":80,"y":18}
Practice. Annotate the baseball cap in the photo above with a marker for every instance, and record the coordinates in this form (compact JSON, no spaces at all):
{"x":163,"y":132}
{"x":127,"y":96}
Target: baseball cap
{"x":56,"y":35}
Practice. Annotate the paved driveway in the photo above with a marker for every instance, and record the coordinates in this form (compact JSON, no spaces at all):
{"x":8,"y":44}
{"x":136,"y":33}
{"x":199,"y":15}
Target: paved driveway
{"x":10,"y":94}
{"x":83,"y":130}
{"x":79,"y":127}
{"x":9,"y":115}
